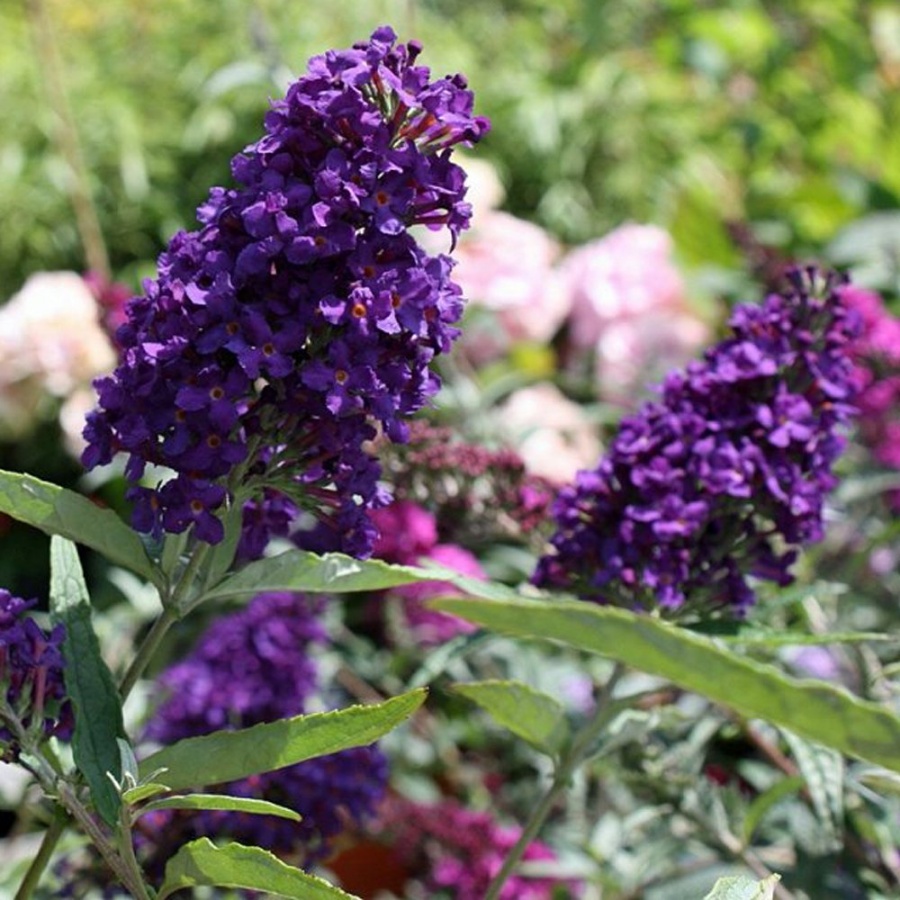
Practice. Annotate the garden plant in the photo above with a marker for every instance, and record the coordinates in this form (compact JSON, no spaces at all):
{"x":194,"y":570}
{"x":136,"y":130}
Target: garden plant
{"x":398,"y":549}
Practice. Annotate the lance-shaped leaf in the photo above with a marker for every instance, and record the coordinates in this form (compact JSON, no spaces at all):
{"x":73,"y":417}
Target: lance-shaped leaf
{"x":823,"y":770}
{"x":202,"y":864}
{"x":230,"y":755}
{"x":761,"y":804}
{"x":532,"y":715}
{"x":743,"y":889}
{"x":89,"y":683}
{"x":57,"y":511}
{"x":813,"y":709}
{"x":298,"y":570}
{"x":221,"y":802}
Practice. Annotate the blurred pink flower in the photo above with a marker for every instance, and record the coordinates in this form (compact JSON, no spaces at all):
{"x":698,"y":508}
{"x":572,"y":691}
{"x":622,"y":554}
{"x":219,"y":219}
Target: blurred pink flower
{"x":877,"y":357}
{"x":628,"y":273}
{"x":507,"y":266}
{"x":455,"y":852}
{"x":507,"y":269}
{"x":409,"y":537}
{"x":407,"y":531}
{"x":427,"y":626}
{"x":629,"y":306}
{"x":51,"y":343}
{"x":551,"y":433}
{"x":634,"y":353}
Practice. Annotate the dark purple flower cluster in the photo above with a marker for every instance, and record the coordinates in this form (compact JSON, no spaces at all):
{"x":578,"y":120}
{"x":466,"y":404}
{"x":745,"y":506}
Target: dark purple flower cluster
{"x":31,"y":677}
{"x":454,"y":852}
{"x":725,"y":475}
{"x":249,"y":667}
{"x":302,"y":312}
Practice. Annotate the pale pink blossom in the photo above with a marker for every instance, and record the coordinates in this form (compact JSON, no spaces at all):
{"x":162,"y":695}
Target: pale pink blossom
{"x":507,"y":265}
{"x":507,"y":268}
{"x":51,"y":343}
{"x":630,"y":309}
{"x":625,"y":275}
{"x":634,"y":353}
{"x":550,"y":432}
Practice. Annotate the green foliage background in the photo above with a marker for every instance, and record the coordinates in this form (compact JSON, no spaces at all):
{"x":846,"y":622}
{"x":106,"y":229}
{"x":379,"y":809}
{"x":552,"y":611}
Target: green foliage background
{"x":689,"y":114}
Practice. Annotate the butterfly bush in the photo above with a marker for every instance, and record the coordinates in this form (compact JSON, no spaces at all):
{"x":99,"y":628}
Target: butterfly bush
{"x":724,"y":476}
{"x":228,"y":681}
{"x":302,"y":313}
{"x":31,"y":678}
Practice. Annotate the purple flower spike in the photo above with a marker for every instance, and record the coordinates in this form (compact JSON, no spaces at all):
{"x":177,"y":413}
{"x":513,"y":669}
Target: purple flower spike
{"x":699,"y":488}
{"x":258,"y":665}
{"x":302,"y":312}
{"x":31,"y":675}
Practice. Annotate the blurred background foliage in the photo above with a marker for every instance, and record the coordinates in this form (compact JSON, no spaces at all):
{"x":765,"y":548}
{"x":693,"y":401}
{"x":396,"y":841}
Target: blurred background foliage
{"x":692,"y":115}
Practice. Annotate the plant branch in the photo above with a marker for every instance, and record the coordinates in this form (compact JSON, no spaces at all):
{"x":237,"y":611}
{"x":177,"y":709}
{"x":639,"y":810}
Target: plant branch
{"x":566,"y":766}
{"x":148,"y":648}
{"x":48,"y":844}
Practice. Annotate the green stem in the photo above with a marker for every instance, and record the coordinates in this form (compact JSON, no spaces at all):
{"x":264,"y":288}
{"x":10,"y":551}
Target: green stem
{"x":48,"y":844}
{"x":51,"y":68}
{"x":126,"y":849}
{"x":147,"y":649}
{"x":129,"y":878}
{"x":566,"y":766}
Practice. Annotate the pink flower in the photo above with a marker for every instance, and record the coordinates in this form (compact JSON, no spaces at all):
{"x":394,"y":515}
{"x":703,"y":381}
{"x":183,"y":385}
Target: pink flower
{"x":429,"y":627}
{"x":51,"y":343}
{"x":877,"y":356}
{"x":409,"y":537}
{"x":455,"y":852}
{"x":627,"y":274}
{"x":407,"y":531}
{"x":507,"y":266}
{"x":550,"y":432}
{"x":630,"y":308}
{"x":633,"y":353}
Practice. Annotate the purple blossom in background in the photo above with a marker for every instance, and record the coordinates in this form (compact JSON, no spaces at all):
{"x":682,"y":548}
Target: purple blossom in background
{"x":255,"y":666}
{"x":723,"y":477}
{"x":31,"y":675}
{"x":455,"y":852}
{"x":302,"y":312}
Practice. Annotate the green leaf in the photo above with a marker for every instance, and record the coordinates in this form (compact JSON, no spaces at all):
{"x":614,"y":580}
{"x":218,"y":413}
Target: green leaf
{"x":743,"y":889}
{"x":143,"y":791}
{"x":230,"y":755}
{"x":812,"y":709}
{"x":89,"y":683}
{"x":298,"y":570}
{"x":758,"y":638}
{"x":881,"y":781}
{"x":221,"y":801}
{"x":202,"y":863}
{"x":532,"y":715}
{"x":57,"y":511}
{"x":823,"y":770}
{"x":761,"y":805}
